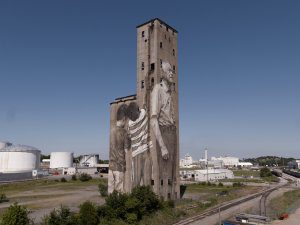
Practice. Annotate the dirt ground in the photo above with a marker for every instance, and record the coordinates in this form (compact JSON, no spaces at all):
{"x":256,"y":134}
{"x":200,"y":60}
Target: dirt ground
{"x":42,"y":199}
{"x":292,"y":220}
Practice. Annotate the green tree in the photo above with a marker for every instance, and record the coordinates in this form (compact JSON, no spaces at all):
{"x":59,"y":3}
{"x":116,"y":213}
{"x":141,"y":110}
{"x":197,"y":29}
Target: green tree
{"x":88,"y":214}
{"x":15,"y":215}
{"x":62,"y":216}
{"x":265,"y":172}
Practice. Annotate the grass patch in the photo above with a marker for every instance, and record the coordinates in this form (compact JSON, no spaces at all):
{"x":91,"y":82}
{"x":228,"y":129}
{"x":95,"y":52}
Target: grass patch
{"x":242,"y":180}
{"x":287,"y":203}
{"x":246,"y":173}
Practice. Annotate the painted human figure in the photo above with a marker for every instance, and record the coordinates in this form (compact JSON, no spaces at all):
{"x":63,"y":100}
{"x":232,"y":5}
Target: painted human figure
{"x":162,"y":121}
{"x":119,"y":145}
{"x":140,"y":145}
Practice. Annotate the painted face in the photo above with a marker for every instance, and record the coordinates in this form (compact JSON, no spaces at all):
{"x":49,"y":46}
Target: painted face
{"x":168,"y":72}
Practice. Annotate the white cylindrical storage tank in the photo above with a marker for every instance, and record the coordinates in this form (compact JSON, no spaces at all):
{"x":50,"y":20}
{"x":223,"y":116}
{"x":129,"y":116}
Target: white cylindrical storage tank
{"x":19,"y":158}
{"x":61,"y":160}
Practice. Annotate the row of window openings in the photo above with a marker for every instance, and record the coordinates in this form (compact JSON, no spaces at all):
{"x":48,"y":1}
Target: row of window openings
{"x":152,"y":66}
{"x":162,"y":182}
{"x":152,"y":84}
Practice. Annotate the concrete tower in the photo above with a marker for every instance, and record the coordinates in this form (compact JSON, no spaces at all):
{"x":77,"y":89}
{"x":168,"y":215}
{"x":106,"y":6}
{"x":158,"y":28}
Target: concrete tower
{"x":156,"y":45}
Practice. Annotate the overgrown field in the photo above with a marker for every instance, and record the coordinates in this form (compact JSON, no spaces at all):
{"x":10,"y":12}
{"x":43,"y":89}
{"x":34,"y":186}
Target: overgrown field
{"x":287,"y":203}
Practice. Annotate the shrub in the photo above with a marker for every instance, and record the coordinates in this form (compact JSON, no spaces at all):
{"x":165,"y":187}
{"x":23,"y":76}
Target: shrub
{"x":237,"y":184}
{"x":265,"y":172}
{"x":88,"y":214}
{"x":62,"y":216}
{"x":221,"y":184}
{"x":63,"y":179}
{"x":74,"y":177}
{"x":85,"y":177}
{"x":102,"y":189}
{"x":3,"y":198}
{"x":147,"y":199}
{"x":182,"y":190}
{"x":15,"y":214}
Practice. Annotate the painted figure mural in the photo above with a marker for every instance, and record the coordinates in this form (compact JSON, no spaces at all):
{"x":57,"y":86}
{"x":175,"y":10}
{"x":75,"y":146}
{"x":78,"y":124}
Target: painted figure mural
{"x":119,"y":145}
{"x":164,"y":128}
{"x":144,"y":127}
{"x":140,"y":145}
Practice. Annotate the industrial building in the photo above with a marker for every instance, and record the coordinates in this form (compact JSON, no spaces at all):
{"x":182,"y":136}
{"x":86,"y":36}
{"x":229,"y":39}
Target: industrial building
{"x":294,"y":164}
{"x":227,"y":161}
{"x":186,"y":162}
{"x":206,"y":175}
{"x":90,"y":160}
{"x":60,"y":160}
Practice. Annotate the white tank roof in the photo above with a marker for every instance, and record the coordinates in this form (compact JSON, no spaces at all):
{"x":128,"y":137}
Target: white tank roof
{"x":19,"y":148}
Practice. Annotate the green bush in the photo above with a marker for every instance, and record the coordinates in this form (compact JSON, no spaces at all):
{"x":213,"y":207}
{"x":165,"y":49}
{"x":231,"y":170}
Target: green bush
{"x":3,"y":198}
{"x":237,"y":184}
{"x":62,"y":216}
{"x":88,"y":214}
{"x":221,"y":184}
{"x":85,"y":177}
{"x":102,"y":189}
{"x":265,"y":172}
{"x":63,"y":180}
{"x":74,"y":177}
{"x":130,"y":208}
{"x":16,"y":215}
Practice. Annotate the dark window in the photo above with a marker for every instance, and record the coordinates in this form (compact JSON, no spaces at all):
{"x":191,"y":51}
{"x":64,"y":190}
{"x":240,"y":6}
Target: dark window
{"x":145,"y":40}
{"x":161,"y":182}
{"x":152,"y":67}
{"x":169,"y":182}
{"x":152,"y":81}
{"x":142,"y":84}
{"x":160,"y":63}
{"x":173,"y":32}
{"x":143,"y":33}
{"x":167,"y":28}
{"x":152,"y":182}
{"x":143,"y":66}
{"x":160,"y":44}
{"x":174,"y":52}
{"x":169,"y":196}
{"x":174,"y":68}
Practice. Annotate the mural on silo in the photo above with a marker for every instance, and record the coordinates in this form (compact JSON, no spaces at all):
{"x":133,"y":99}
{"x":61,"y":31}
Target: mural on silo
{"x":144,"y":146}
{"x":119,"y":145}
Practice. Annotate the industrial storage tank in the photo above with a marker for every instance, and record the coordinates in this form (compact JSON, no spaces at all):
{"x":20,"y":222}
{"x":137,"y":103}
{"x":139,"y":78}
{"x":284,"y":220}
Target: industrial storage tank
{"x":61,"y":160}
{"x":4,"y":144}
{"x":19,"y":158}
{"x":89,"y":160}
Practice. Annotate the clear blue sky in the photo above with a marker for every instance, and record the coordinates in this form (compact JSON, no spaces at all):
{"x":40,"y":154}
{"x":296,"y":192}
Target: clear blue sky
{"x":63,"y":62}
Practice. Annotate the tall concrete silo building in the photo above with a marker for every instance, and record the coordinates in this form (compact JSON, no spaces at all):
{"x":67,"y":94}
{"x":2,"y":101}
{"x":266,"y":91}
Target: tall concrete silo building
{"x":153,"y":123}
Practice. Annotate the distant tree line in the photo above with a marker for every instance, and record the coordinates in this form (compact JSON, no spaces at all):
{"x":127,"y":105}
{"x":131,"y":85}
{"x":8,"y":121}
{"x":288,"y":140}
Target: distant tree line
{"x":269,"y":161}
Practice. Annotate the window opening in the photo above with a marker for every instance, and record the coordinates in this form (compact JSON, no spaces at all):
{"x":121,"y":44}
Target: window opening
{"x":161,"y":182}
{"x":174,"y":52}
{"x":160,"y":44}
{"x":143,"y":33}
{"x":152,"y":66}
{"x":142,"y":84}
{"x":143,"y":66}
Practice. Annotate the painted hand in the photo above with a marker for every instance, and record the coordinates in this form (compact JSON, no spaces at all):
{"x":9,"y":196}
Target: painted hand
{"x":165,"y":153}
